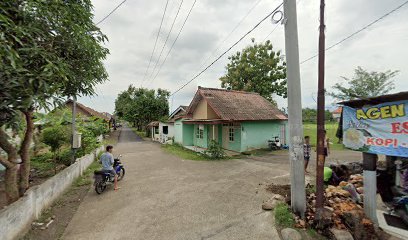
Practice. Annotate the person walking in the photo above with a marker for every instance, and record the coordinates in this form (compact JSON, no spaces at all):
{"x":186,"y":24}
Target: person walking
{"x":306,"y":152}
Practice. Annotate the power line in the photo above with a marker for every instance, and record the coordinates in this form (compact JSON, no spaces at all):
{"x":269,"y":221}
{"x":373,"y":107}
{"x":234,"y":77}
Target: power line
{"x":167,"y":38}
{"x":230,"y":33}
{"x":233,"y":45}
{"x":155,"y":43}
{"x":357,"y":32}
{"x":103,"y":19}
{"x":175,"y":40}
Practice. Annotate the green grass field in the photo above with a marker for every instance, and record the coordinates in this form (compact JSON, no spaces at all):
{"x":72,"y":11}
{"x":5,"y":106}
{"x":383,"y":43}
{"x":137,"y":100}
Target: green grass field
{"x":310,"y":129}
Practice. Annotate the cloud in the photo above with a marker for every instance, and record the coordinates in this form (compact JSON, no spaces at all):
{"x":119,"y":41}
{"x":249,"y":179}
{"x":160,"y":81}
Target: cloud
{"x":133,"y":28}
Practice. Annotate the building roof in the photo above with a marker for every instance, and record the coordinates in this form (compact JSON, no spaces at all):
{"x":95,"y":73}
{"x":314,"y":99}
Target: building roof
{"x":376,"y":100}
{"x":338,"y":110}
{"x":153,"y":124}
{"x":181,"y":110}
{"x":89,"y":111}
{"x":236,"y":105}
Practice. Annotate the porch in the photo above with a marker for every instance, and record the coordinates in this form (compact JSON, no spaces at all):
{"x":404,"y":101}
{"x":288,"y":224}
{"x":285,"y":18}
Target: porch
{"x":202,"y":150}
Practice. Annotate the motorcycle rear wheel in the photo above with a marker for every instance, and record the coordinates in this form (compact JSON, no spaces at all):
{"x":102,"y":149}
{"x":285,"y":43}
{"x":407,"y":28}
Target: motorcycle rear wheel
{"x":100,"y":187}
{"x":121,"y":174}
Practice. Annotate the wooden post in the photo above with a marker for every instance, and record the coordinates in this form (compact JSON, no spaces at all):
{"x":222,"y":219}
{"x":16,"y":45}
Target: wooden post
{"x":370,"y":185}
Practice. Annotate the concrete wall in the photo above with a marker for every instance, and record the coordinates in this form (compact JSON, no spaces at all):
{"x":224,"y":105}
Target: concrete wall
{"x":204,"y":111}
{"x":16,"y":218}
{"x":255,"y":135}
{"x":178,"y":131}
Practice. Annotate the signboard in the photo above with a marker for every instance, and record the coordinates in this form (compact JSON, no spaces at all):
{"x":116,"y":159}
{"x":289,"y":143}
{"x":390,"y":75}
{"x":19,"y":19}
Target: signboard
{"x":378,"y":129}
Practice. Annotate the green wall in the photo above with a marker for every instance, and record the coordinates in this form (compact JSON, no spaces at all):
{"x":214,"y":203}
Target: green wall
{"x":256,"y":134}
{"x":188,"y":134}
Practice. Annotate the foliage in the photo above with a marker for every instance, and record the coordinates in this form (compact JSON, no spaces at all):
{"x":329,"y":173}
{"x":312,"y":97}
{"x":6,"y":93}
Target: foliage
{"x":214,"y":151}
{"x":310,"y":129}
{"x":364,"y":84}
{"x":258,"y":68}
{"x":55,"y":137}
{"x":140,"y":106}
{"x":43,"y":163}
{"x":49,"y":50}
{"x":310,"y":115}
{"x":65,"y":157}
{"x":180,"y":151}
{"x":85,"y":178}
{"x":283,"y":216}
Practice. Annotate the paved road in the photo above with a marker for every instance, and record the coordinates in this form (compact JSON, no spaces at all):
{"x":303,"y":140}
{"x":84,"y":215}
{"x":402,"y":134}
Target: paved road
{"x":165,"y":197}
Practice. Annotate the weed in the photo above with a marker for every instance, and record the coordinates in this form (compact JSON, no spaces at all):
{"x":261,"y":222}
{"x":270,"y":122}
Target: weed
{"x":283,"y":216}
{"x":182,"y":152}
{"x":85,"y":178}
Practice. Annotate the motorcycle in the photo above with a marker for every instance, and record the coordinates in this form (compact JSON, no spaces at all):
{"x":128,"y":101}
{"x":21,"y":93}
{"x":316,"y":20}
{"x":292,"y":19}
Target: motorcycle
{"x":103,"y":178}
{"x":274,"y":144}
{"x":393,"y":196}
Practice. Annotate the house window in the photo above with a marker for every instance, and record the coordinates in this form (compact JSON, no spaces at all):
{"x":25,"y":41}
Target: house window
{"x":200,"y":131}
{"x":166,"y":130}
{"x":156,"y":130}
{"x":231,"y":132}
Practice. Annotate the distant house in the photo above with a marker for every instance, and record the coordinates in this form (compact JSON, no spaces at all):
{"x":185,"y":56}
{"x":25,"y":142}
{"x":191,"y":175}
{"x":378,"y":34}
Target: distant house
{"x":336,"y":114}
{"x":239,"y":121}
{"x":164,"y":131}
{"x":89,"y":112}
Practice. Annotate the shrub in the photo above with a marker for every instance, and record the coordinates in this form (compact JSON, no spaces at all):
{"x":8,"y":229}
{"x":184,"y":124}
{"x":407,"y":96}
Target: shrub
{"x":214,"y":151}
{"x":283,"y":215}
{"x":65,"y":157}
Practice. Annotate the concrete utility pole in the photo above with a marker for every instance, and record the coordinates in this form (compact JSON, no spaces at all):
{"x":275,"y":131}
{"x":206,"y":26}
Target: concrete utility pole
{"x":297,"y":171}
{"x":320,"y":119}
{"x":73,"y":125}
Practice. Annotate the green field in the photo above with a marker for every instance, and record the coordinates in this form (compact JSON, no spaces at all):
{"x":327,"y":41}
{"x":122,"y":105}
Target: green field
{"x":310,"y":129}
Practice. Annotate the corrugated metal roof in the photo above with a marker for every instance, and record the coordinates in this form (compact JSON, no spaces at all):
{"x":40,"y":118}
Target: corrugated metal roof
{"x":237,"y":105}
{"x":376,"y":100}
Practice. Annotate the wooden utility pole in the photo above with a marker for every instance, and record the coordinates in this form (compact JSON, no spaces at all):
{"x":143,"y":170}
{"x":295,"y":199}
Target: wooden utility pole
{"x":297,"y":171}
{"x":320,"y":119}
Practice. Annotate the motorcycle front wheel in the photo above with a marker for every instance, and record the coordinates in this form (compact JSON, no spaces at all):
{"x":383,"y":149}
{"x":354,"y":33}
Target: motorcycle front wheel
{"x":100,"y":187}
{"x":121,"y":174}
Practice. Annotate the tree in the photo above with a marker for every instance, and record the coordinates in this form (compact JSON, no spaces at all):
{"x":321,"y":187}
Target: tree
{"x":364,"y":84}
{"x":310,"y":115}
{"x":141,"y":106}
{"x":49,"y":50}
{"x":55,"y":137}
{"x":257,"y":69}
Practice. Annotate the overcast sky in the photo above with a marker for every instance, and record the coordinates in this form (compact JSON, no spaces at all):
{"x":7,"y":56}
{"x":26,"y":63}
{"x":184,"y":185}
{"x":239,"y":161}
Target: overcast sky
{"x":133,"y":28}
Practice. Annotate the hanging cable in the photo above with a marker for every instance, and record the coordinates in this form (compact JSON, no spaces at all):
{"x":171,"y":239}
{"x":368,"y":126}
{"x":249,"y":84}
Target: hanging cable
{"x":357,"y":32}
{"x":175,"y":40}
{"x":155,"y":43}
{"x":167,"y":38}
{"x":233,"y":45}
{"x":103,"y":19}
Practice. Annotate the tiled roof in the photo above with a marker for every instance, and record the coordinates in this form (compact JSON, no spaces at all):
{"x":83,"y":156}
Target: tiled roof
{"x":237,"y":105}
{"x":90,"y":111}
{"x":338,"y":110}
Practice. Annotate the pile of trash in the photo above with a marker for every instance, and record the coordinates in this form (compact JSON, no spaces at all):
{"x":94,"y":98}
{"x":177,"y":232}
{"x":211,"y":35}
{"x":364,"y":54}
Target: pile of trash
{"x":343,"y":209}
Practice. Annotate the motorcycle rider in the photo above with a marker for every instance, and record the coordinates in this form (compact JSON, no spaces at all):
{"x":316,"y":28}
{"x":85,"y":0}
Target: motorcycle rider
{"x":107,"y":161}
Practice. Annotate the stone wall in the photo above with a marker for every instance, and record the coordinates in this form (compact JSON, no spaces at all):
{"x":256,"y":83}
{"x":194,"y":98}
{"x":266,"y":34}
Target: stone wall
{"x":16,"y":218}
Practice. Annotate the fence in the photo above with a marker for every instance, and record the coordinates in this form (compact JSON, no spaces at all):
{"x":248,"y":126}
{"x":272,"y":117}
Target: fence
{"x":16,"y":218}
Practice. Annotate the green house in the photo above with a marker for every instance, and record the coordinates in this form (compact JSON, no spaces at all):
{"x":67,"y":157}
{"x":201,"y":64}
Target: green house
{"x":239,"y":121}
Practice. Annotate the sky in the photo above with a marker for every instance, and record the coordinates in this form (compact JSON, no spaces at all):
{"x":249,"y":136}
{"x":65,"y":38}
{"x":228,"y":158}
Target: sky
{"x":133,"y":27}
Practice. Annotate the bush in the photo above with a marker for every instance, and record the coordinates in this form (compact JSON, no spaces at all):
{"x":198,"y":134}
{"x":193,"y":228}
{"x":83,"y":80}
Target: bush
{"x":65,"y":157}
{"x":283,"y":215}
{"x":214,"y":151}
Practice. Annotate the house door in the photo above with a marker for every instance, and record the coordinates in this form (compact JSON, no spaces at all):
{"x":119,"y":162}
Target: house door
{"x":225,"y":136}
{"x":213,"y":132}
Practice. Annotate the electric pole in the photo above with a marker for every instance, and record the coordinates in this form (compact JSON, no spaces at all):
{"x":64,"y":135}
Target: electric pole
{"x":297,"y":171}
{"x":320,"y":119}
{"x":73,"y":125}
